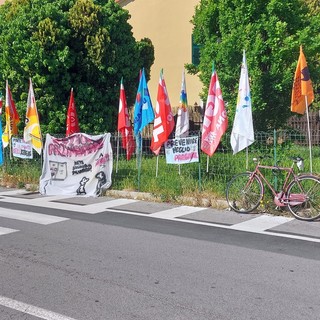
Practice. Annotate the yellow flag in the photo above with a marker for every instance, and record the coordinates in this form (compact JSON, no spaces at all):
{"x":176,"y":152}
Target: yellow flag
{"x":12,"y":118}
{"x":302,"y":86}
{"x":32,"y":132}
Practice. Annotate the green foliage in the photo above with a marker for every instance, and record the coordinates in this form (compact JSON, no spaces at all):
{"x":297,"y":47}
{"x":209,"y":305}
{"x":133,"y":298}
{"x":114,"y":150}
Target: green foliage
{"x":84,"y":44}
{"x":271,"y":32}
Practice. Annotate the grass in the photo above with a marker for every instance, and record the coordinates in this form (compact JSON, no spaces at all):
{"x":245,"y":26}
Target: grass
{"x":168,"y":182}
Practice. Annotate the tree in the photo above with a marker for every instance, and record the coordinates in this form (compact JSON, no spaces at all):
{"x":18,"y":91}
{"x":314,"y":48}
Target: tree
{"x":271,"y":33}
{"x":84,"y":44}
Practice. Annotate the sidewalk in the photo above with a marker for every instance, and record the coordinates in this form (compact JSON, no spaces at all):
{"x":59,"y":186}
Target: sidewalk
{"x":143,"y":204}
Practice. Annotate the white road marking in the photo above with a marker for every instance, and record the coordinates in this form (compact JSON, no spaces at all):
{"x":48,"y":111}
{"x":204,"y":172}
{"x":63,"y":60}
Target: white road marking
{"x":261,"y":223}
{"x":6,"y":231}
{"x":175,"y":212}
{"x":268,"y":233}
{"x":30,"y":216}
{"x":89,"y":209}
{"x":32,"y":310}
{"x":12,"y":192}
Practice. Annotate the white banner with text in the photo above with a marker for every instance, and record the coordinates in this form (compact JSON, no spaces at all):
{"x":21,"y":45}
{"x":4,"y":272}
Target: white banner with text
{"x":182,"y":150}
{"x":76,"y":165}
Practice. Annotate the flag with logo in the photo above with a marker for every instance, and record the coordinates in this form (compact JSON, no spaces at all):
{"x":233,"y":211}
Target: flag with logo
{"x":242,"y":134}
{"x":302,"y":92}
{"x":124,"y":124}
{"x":32,"y":132}
{"x":72,"y":118}
{"x":182,"y":125}
{"x":215,"y":120}
{"x":164,"y":120}
{"x":143,"y":110}
{"x":12,"y":118}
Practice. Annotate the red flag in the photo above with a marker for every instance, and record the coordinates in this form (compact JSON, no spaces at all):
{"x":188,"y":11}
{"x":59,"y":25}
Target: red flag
{"x":124,"y":124}
{"x":164,"y":120}
{"x":215,"y":121}
{"x":72,"y":118}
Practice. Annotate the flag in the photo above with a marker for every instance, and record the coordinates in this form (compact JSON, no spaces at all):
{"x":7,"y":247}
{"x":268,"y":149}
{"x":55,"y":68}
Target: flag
{"x":1,"y":148}
{"x":124,"y":124}
{"x":215,"y":121}
{"x":143,"y":110}
{"x":12,"y":118}
{"x":302,"y":86}
{"x":242,"y":134}
{"x":182,"y":126}
{"x":32,"y":132}
{"x":72,"y":118}
{"x":164,"y":120}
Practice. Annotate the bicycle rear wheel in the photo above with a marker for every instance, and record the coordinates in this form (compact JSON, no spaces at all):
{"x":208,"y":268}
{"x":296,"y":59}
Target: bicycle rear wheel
{"x":304,"y":198}
{"x":244,"y":195}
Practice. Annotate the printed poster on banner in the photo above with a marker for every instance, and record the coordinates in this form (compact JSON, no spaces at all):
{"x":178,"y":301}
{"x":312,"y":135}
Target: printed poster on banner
{"x":79,"y":165}
{"x":182,"y":150}
{"x":21,"y":149}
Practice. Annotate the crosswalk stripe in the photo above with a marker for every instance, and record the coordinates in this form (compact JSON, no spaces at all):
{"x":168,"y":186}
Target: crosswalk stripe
{"x":32,"y":310}
{"x":6,"y":231}
{"x":175,"y":212}
{"x":30,"y":216}
{"x":89,"y":209}
{"x":261,"y":223}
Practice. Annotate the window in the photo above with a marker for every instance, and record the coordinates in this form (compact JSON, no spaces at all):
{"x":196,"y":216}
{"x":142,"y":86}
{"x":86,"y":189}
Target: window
{"x":195,"y":52}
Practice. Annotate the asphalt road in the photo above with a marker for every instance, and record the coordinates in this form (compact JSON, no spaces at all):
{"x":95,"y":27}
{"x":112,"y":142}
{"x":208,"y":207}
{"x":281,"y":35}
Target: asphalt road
{"x":64,"y":264}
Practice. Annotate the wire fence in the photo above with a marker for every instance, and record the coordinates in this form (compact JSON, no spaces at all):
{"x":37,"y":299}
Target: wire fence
{"x":209,"y":175}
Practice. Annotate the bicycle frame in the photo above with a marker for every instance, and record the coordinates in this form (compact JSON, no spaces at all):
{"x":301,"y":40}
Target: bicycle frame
{"x":279,"y":197}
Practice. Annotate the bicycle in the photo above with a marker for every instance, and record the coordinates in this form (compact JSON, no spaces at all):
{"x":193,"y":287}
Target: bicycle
{"x":299,"y":193}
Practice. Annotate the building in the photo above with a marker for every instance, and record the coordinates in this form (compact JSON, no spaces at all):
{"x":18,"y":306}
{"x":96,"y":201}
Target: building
{"x":167,"y":24}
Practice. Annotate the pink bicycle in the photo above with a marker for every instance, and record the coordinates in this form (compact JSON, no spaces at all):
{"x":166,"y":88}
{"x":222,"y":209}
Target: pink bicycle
{"x":300,"y":193}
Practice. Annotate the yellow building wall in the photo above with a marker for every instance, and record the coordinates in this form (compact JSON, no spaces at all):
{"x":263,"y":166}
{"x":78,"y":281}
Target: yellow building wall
{"x":167,"y":24}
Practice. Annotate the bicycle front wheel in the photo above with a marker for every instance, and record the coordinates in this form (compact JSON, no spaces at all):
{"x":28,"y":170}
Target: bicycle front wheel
{"x":304,"y":198}
{"x":244,"y":193}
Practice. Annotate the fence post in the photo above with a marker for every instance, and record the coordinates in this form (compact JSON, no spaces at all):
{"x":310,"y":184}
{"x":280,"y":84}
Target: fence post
{"x":199,"y":164}
{"x":275,"y":178}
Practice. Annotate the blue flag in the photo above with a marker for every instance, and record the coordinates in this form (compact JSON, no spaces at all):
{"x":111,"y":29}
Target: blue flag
{"x":143,"y":110}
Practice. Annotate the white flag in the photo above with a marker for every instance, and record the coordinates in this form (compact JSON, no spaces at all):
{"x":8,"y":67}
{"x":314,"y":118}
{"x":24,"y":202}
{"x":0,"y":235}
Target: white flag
{"x":242,"y":134}
{"x":182,"y":126}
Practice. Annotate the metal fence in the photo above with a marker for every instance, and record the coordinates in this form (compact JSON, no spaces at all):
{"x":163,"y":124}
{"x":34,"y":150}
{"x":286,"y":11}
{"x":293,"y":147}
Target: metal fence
{"x":210,"y":174}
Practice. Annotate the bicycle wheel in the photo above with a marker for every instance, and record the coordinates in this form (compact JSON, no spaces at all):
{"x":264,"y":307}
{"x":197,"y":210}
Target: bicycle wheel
{"x":304,"y":198}
{"x":244,"y":195}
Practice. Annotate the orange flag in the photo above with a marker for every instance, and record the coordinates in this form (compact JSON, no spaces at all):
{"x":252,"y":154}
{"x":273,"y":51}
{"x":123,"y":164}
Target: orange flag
{"x":72,"y":118}
{"x":302,"y":87}
{"x":32,"y":132}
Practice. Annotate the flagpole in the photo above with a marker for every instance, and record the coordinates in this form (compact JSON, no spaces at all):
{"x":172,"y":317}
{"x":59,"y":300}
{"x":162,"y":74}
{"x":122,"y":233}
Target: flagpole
{"x":207,"y":163}
{"x":309,"y":133}
{"x":139,"y":156}
{"x":247,"y":158}
{"x":157,"y":166}
{"x":118,"y":138}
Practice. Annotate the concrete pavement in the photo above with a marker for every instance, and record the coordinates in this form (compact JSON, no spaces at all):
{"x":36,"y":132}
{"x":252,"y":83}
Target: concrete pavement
{"x":280,"y":226}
